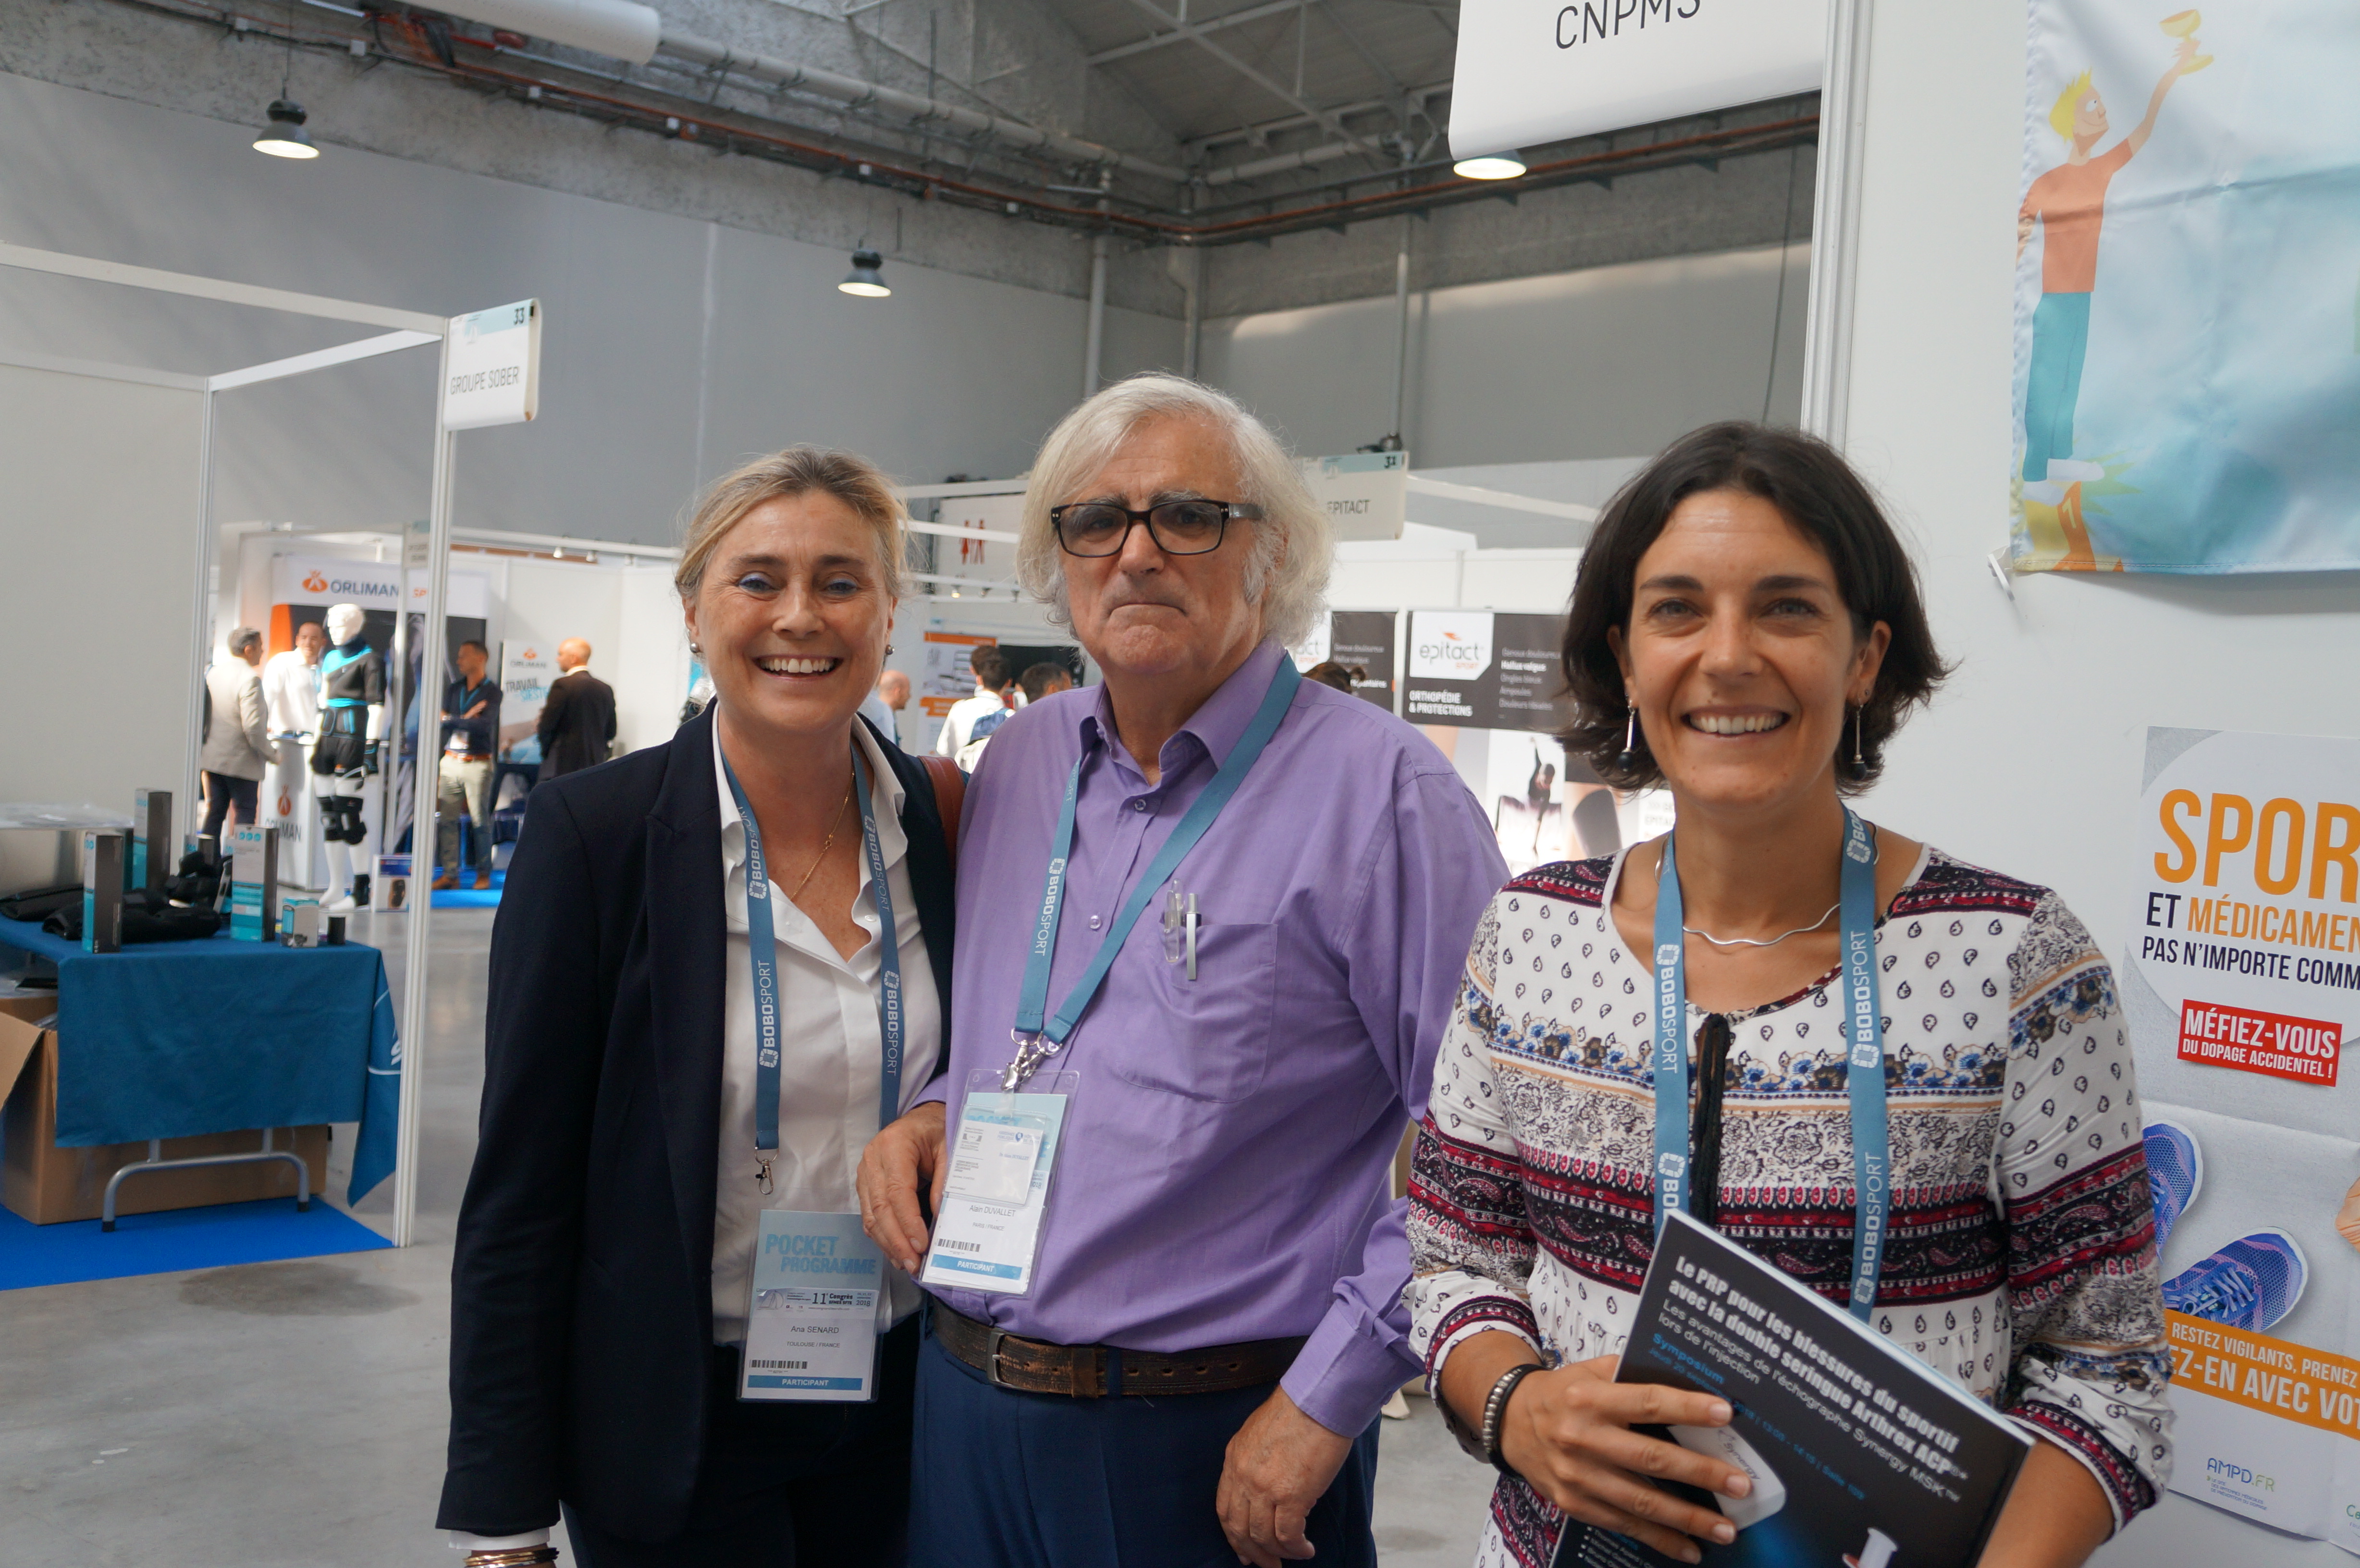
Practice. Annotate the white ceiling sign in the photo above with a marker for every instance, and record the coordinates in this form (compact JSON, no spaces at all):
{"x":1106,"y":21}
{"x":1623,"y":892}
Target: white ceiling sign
{"x":494,"y":375}
{"x":1364,"y":494}
{"x":1529,"y":75}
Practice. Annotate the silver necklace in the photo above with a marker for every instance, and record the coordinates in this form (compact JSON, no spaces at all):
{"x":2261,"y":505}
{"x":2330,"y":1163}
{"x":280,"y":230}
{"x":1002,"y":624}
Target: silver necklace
{"x":1747,"y":940}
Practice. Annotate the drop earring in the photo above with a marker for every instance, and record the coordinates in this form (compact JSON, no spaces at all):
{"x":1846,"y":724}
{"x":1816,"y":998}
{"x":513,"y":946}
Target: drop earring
{"x":1630,"y":736}
{"x":1859,"y":763}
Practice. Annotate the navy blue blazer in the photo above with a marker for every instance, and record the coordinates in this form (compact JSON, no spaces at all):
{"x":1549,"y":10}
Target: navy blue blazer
{"x":580,"y":1290}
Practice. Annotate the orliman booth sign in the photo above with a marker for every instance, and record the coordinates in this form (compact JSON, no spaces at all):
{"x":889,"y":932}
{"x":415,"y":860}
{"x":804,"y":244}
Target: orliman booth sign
{"x":1529,"y":74}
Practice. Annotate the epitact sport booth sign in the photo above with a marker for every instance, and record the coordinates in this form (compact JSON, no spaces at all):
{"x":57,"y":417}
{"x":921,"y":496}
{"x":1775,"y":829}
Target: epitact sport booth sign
{"x":2241,"y":981}
{"x":1483,"y":670}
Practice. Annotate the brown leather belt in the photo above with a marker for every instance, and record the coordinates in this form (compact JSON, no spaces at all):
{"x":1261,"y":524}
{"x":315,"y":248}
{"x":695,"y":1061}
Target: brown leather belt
{"x":1094,"y":1371}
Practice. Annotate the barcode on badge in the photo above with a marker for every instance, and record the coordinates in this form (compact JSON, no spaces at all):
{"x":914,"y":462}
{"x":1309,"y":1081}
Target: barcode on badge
{"x":960,"y":1246}
{"x":760,"y":1364}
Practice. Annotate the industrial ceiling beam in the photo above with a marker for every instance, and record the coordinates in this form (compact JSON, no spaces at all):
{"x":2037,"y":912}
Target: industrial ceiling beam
{"x":1196,"y":35}
{"x":1210,"y":25}
{"x":1392,"y":82}
{"x":1262,"y":130}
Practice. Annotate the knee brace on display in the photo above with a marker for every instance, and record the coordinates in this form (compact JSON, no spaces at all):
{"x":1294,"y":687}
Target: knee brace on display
{"x":339,"y":819}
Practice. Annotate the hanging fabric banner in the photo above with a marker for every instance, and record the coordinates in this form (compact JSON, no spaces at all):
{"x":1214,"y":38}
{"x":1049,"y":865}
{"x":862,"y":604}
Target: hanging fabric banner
{"x":2187,"y":335}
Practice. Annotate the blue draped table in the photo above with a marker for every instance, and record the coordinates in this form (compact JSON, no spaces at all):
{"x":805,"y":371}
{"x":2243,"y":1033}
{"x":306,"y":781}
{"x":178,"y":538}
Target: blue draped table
{"x":179,"y":1038}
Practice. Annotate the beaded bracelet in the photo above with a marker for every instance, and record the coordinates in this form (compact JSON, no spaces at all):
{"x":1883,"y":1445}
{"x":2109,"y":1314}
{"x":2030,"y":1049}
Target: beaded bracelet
{"x":1495,"y":1409}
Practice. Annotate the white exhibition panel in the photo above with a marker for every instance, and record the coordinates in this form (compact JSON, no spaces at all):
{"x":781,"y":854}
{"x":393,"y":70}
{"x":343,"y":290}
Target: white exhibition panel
{"x":1590,"y":365}
{"x":2031,"y":760}
{"x":98,"y":504}
{"x":650,"y":668}
{"x":1441,"y":567}
{"x":1530,"y":75}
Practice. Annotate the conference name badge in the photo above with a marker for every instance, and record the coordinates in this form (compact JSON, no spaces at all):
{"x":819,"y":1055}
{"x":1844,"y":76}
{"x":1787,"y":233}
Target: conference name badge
{"x":996,"y":1193}
{"x":817,"y":1305}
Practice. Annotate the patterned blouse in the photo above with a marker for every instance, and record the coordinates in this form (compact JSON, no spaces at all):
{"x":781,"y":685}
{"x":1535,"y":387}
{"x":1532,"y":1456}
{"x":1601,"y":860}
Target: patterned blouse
{"x":2021,"y":1255}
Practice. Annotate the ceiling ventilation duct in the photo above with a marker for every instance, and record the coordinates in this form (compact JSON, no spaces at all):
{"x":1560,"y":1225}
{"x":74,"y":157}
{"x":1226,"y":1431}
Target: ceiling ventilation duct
{"x":624,"y":31}
{"x":619,"y":29}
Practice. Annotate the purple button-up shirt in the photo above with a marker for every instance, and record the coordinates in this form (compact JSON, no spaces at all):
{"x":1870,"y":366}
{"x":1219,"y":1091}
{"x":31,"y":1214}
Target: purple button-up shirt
{"x":1223,"y":1173}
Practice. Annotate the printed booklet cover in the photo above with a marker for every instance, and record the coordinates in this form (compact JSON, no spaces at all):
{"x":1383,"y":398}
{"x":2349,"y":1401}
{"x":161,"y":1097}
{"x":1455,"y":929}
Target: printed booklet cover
{"x":1861,"y":1455}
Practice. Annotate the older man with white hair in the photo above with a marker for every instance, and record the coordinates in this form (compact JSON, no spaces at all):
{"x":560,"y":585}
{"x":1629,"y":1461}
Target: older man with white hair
{"x":1212,"y":918}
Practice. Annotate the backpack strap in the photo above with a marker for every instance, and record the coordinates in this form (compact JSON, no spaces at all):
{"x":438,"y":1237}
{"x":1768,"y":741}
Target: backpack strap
{"x":950,"y":799}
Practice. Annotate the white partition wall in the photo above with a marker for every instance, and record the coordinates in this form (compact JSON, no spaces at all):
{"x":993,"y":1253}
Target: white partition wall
{"x":2031,"y":759}
{"x":99,"y":552}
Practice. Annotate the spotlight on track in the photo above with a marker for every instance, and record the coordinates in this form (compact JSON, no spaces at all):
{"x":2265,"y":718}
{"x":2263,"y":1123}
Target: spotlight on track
{"x":285,"y":136}
{"x":864,"y":280}
{"x":1499,"y":166}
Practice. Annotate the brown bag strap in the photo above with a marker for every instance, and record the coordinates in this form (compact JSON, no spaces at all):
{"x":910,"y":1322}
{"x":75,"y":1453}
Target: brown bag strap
{"x":950,"y":798}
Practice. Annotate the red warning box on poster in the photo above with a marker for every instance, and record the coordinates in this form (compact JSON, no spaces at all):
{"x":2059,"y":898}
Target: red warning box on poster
{"x":2217,"y":1034}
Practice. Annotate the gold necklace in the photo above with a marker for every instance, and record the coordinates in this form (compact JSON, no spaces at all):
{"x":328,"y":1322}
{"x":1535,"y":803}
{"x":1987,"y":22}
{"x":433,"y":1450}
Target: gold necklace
{"x":824,"y":845}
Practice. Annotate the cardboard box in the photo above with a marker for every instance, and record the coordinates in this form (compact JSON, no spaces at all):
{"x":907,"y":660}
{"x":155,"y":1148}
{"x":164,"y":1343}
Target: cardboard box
{"x":46,"y":1184}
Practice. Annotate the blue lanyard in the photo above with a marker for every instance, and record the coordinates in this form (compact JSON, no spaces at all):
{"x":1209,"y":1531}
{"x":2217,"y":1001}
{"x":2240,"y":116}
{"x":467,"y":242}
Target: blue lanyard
{"x":1031,"y":1026}
{"x":761,"y":942}
{"x":1871,"y":1146}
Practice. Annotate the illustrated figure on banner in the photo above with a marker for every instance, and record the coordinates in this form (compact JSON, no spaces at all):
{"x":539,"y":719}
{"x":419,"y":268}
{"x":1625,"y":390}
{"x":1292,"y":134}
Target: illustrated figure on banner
{"x":2068,"y":205}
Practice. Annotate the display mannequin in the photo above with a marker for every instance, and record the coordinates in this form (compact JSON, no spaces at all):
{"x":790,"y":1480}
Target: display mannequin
{"x":290,"y":701}
{"x":352,"y":724}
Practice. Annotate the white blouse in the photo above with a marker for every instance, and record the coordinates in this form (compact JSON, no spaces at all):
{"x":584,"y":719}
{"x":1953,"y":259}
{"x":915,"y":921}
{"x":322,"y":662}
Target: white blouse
{"x":832,"y":1048}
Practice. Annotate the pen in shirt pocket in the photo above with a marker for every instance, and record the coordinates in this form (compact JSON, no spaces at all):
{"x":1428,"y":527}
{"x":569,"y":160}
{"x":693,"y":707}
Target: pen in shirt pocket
{"x":1181,"y":924}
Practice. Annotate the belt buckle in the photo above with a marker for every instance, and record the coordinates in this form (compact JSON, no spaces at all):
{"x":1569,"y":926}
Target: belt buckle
{"x":991,"y":1359}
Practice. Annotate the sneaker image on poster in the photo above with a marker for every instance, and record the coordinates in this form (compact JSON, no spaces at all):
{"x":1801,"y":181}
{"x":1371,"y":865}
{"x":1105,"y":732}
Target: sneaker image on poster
{"x":2251,"y":1283}
{"x":2175,"y":1174}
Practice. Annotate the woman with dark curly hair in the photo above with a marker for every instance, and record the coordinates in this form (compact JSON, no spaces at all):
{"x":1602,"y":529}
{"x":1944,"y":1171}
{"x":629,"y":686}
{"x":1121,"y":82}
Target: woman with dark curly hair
{"x":1746,"y":632}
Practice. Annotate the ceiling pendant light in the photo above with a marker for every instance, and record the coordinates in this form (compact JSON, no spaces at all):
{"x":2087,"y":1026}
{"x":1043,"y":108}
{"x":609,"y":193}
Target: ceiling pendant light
{"x":1498,"y":165}
{"x":864,"y":280}
{"x":285,"y":136}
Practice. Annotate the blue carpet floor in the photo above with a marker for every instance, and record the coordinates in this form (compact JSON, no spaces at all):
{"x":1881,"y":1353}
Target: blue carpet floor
{"x":260,"y":1232}
{"x":466,"y":897}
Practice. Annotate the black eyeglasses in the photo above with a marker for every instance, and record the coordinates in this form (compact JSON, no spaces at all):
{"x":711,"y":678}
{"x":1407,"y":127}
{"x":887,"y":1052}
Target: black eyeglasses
{"x":1178,"y":528}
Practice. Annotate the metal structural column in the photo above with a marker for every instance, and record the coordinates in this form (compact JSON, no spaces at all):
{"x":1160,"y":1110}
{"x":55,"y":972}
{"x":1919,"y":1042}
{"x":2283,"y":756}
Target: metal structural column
{"x":208,"y":564}
{"x":1093,"y":344}
{"x":1835,"y":238}
{"x":421,"y":822}
{"x":1401,"y":338}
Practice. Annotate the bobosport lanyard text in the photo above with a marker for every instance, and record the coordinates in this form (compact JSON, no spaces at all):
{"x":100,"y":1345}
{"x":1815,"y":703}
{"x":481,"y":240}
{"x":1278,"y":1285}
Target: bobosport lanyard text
{"x":1038,"y":1037}
{"x":1863,"y":1035}
{"x":761,"y":942}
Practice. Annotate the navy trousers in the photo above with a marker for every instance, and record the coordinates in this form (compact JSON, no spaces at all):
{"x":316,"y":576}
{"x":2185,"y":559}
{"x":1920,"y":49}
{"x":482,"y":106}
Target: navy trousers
{"x":1003,"y":1479}
{"x":787,"y":1484}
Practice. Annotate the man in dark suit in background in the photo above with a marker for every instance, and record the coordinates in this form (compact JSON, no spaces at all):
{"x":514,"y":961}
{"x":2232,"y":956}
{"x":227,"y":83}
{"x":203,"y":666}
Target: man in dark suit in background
{"x":577,"y":721}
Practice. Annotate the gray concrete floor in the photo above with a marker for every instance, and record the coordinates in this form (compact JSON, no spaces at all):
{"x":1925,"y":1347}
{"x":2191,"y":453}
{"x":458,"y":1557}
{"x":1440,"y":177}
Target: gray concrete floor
{"x":287,"y":1415}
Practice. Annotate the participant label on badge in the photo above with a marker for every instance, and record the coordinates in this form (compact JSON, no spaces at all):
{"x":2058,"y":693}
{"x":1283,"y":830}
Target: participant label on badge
{"x":1006,"y":1151}
{"x":811,"y":1327}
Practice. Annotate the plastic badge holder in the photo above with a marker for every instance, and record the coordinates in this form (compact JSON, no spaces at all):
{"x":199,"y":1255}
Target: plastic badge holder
{"x":977,"y":1245}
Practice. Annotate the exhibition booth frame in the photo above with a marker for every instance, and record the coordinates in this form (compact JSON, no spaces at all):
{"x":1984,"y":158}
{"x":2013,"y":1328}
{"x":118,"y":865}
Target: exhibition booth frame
{"x":400,"y":331}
